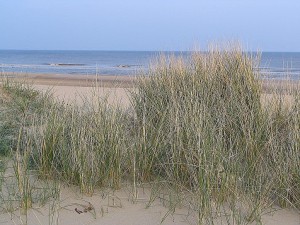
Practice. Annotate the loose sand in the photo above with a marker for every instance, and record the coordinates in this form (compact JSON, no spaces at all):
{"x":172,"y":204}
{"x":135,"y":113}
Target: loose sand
{"x":112,"y":208}
{"x":77,"y":94}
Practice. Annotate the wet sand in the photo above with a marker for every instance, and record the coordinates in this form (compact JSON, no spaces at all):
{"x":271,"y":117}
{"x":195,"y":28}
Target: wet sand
{"x":74,"y":80}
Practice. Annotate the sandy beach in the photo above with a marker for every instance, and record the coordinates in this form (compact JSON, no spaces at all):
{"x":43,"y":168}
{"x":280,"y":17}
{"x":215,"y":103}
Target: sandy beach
{"x":78,"y":87}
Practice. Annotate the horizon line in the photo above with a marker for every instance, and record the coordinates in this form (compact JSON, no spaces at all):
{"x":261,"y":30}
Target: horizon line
{"x":102,"y":50}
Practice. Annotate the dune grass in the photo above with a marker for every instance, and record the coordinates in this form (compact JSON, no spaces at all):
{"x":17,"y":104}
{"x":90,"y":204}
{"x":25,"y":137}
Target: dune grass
{"x":196,"y":126}
{"x":80,"y":146}
{"x":203,"y":128}
{"x":19,"y":186}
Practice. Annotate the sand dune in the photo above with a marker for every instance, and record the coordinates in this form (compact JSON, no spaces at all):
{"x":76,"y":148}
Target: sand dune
{"x":108,"y":207}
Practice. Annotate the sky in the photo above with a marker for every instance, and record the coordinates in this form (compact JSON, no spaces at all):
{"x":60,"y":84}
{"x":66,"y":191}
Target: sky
{"x":264,"y":25}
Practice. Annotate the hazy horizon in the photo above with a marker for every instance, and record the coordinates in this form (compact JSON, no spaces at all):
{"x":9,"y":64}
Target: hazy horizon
{"x":137,"y":25}
{"x":100,"y":50}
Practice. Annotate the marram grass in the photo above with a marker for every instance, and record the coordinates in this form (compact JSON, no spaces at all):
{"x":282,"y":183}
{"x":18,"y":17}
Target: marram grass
{"x":201,"y":126}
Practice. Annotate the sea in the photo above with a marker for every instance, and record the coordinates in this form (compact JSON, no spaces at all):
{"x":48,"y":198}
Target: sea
{"x":273,"y":65}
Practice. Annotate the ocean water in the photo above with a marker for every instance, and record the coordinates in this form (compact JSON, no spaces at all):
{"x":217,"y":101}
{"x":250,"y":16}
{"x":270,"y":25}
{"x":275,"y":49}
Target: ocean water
{"x":274,"y":65}
{"x":75,"y":62}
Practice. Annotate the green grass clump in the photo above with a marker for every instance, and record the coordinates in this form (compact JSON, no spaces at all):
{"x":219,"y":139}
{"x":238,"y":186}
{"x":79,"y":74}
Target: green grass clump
{"x":81,"y":145}
{"x":18,"y":104}
{"x":202,"y":127}
{"x":19,"y":190}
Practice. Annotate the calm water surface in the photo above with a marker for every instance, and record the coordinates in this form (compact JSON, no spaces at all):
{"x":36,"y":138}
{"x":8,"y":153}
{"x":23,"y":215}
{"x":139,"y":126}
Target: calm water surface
{"x":275,"y":65}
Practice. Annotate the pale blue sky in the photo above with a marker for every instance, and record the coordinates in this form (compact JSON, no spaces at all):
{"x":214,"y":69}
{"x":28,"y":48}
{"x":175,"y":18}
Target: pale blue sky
{"x":267,"y":25}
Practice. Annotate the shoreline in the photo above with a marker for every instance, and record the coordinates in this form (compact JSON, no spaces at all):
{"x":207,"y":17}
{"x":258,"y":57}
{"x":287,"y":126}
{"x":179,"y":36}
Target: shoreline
{"x":120,"y":81}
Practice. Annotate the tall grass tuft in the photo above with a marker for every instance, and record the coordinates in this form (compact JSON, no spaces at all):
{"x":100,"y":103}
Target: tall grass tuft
{"x":81,"y":145}
{"x":22,"y":176}
{"x":19,"y":102}
{"x":201,"y":126}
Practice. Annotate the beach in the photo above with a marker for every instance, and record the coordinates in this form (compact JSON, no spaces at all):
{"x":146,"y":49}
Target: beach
{"x":77,"y":87}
